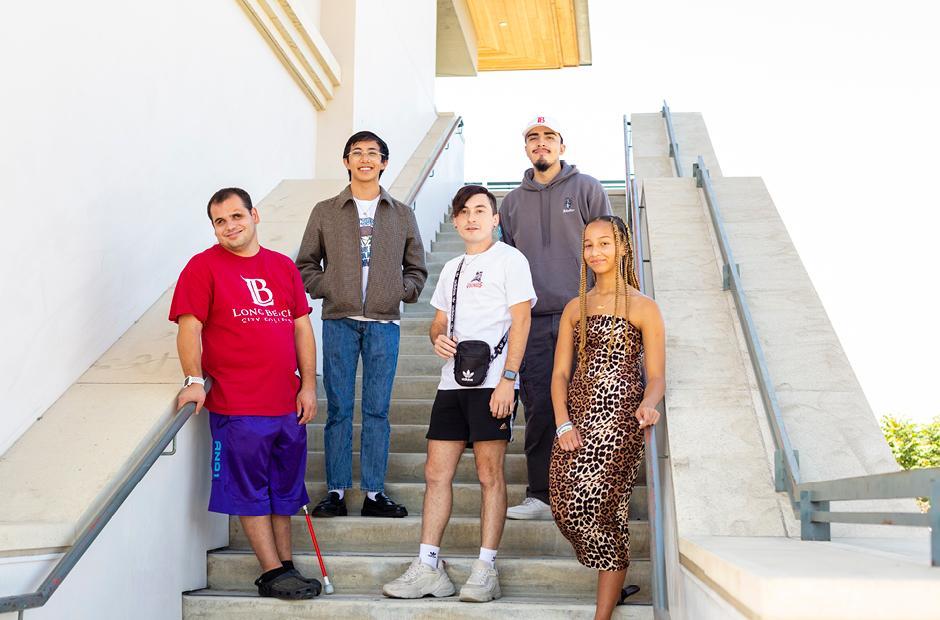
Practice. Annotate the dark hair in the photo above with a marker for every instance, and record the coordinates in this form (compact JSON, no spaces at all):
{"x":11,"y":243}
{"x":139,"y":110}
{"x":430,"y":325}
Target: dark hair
{"x":365,"y":136}
{"x":224,"y":194}
{"x":465,"y":193}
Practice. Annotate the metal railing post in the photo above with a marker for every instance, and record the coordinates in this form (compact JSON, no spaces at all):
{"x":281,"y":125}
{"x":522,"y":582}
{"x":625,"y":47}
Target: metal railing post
{"x":933,"y":517}
{"x":809,"y":529}
{"x":673,"y":143}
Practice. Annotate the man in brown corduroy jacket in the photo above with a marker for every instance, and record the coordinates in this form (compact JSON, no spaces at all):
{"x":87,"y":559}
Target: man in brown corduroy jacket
{"x":362,"y":254}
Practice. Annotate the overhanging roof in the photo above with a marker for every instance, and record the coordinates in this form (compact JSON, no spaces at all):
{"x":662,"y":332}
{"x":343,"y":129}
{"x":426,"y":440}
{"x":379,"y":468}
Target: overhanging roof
{"x":511,"y":35}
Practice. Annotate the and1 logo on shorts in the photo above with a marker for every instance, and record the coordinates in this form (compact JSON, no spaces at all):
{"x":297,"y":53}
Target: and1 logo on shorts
{"x":247,"y":306}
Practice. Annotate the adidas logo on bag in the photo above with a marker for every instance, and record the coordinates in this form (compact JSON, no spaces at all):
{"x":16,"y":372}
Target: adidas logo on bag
{"x":468,"y":375}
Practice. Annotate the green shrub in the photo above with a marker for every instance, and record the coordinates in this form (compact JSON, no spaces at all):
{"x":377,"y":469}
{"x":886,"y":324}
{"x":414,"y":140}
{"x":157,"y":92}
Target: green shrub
{"x":914,"y":445}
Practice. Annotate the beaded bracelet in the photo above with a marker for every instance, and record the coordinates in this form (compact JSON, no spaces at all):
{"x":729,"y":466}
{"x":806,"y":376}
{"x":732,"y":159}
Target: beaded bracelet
{"x":564,"y":428}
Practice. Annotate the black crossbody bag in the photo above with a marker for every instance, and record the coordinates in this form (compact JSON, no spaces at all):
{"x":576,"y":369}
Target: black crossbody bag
{"x":473,"y":358}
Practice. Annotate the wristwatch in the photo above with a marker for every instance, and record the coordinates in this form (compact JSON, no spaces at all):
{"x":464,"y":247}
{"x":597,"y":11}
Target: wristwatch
{"x":190,"y":380}
{"x":510,"y":374}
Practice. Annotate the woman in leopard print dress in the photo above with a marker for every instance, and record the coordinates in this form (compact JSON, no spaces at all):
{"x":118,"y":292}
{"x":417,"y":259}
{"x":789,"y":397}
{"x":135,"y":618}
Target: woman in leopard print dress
{"x":614,"y":332}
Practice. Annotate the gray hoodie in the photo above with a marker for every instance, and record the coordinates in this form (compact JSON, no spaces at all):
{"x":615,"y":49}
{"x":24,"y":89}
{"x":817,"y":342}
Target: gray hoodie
{"x":545,"y":222}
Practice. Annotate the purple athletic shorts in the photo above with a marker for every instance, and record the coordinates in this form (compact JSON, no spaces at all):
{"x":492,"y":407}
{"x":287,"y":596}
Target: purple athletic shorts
{"x":258,"y":464}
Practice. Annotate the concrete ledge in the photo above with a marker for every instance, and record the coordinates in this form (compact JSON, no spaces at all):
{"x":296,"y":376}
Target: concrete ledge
{"x":777,"y":578}
{"x":59,"y":470}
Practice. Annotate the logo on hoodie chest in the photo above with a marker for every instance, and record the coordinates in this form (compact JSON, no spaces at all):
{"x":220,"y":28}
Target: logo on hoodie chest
{"x":569,"y":205}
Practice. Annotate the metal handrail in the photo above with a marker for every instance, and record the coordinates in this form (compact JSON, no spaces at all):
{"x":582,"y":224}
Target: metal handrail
{"x":650,"y":438}
{"x":673,"y":143}
{"x":812,"y":498}
{"x":815,"y":515}
{"x":115,"y":499}
{"x":786,"y":457}
{"x":430,"y":162}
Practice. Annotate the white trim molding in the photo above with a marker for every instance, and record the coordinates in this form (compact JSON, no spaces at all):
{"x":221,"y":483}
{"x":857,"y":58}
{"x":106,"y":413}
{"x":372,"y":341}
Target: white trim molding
{"x":299,"y":46}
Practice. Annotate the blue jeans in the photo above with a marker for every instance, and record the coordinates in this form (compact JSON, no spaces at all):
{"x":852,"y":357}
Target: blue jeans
{"x":344,"y":340}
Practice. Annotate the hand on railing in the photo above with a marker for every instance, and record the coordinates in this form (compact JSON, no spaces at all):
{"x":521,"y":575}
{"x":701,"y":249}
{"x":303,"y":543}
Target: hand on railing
{"x":646,"y":415}
{"x":195,"y":393}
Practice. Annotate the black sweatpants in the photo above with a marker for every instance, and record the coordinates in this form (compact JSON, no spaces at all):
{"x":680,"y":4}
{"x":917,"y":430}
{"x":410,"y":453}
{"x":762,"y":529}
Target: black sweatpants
{"x":535,"y":383}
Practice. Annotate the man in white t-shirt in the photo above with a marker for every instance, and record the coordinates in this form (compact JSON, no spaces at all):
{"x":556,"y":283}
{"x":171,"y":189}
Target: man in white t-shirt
{"x":494,"y":299}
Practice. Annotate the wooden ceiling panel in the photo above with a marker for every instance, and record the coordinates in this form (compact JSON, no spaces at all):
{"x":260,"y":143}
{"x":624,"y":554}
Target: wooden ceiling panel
{"x":525,"y":34}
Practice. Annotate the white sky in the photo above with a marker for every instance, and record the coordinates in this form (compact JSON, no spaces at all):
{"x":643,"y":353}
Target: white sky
{"x":835,"y":104}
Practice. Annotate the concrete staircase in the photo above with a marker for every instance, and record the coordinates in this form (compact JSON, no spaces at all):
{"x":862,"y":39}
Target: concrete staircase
{"x":538,"y":572}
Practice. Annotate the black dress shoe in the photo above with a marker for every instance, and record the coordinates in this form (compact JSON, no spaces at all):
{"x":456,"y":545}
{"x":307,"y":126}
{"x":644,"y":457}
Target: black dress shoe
{"x":382,"y":506}
{"x":330,"y":506}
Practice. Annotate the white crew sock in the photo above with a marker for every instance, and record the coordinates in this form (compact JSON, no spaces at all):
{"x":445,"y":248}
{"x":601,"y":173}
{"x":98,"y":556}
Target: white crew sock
{"x":340,"y":492}
{"x":488,"y":556}
{"x":429,"y":555}
{"x":372,"y":494}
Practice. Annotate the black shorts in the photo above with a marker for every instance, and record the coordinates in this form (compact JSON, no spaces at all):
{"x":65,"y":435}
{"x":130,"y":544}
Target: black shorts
{"x":464,"y":415}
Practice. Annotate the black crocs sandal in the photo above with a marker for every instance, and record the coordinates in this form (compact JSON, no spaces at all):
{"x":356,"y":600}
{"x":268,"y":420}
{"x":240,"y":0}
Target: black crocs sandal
{"x":307,"y":579}
{"x":290,"y":586}
{"x":627,"y":592}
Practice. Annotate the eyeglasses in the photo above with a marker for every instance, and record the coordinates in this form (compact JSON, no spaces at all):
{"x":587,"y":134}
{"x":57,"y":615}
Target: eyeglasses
{"x":360,"y":155}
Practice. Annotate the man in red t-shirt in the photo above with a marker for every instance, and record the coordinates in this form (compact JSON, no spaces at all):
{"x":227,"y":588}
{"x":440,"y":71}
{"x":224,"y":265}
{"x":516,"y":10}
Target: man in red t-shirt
{"x":242,"y":315}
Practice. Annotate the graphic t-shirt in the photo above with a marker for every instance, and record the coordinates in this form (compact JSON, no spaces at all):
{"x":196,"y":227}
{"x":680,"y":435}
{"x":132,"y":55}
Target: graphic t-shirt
{"x":490,"y":282}
{"x":247,"y":306}
{"x":366,"y":210}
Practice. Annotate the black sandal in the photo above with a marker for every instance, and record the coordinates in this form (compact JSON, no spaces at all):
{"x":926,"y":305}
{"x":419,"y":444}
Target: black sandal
{"x":627,"y":592}
{"x":289,"y":586}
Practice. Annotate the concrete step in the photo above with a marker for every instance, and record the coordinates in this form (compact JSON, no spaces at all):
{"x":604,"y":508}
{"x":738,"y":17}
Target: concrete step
{"x":404,"y":387}
{"x":415,"y":326}
{"x":436,"y":260}
{"x":411,"y":494}
{"x":367,"y":573}
{"x":418,"y":344}
{"x":400,"y":411}
{"x":466,"y":498}
{"x":355,"y":534}
{"x":455,"y":246}
{"x":421,"y":308}
{"x":409,"y":467}
{"x":228,"y":605}
{"x":450,"y":234}
{"x":404,"y":437}
{"x":425,"y":364}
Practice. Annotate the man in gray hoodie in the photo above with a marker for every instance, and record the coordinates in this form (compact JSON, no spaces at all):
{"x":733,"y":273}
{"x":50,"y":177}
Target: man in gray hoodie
{"x":544,"y":218}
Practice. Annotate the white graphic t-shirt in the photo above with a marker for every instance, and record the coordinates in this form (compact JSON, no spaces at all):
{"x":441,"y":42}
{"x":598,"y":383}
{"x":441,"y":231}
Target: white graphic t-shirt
{"x":366,"y":210}
{"x":490,"y":282}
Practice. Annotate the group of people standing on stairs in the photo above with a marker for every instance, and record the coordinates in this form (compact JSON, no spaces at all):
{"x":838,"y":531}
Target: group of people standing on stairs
{"x":550,"y":313}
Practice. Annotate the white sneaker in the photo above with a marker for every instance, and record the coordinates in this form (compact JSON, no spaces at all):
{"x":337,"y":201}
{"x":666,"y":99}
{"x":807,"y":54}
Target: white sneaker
{"x":530,"y":508}
{"x":483,"y":584}
{"x":420,"y":580}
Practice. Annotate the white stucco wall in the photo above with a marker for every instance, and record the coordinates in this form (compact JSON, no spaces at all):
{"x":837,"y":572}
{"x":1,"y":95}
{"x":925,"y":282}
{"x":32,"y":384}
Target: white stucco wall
{"x":387,"y":53}
{"x":118,"y":120}
{"x":153,"y":548}
{"x":395,"y":69}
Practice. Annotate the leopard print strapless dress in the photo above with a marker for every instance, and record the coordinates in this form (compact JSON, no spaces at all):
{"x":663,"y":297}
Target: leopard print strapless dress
{"x":590,"y":487}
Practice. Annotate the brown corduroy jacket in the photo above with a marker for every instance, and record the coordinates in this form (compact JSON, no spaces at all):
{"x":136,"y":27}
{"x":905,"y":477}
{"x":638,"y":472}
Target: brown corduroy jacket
{"x":330,"y":262}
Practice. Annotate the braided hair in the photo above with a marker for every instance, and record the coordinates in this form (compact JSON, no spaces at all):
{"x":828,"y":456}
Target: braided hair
{"x":626,"y":277}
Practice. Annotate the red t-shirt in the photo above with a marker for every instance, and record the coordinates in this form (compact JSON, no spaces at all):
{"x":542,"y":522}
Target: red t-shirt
{"x":247,"y":306}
